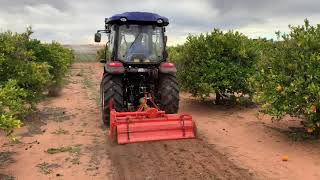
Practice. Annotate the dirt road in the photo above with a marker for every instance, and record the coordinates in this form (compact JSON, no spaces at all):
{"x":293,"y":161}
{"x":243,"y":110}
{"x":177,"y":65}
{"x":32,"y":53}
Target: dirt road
{"x":66,"y":140}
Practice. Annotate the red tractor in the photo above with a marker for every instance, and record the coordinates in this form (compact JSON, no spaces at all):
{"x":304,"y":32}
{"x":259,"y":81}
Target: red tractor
{"x":139,"y":90}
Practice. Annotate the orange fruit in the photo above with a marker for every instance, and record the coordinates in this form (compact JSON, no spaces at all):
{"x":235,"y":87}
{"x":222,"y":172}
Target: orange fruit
{"x":279,"y":88}
{"x":285,"y":158}
{"x":309,"y":130}
{"x":314,"y":108}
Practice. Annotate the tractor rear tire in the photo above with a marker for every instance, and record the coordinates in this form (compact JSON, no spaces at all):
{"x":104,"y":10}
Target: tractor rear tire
{"x":111,"y":89}
{"x":168,"y":93}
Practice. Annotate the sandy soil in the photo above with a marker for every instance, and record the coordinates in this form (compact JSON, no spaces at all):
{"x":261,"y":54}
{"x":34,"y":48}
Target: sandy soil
{"x":254,"y":142}
{"x":70,"y":120}
{"x":233,"y":143}
{"x":73,"y":121}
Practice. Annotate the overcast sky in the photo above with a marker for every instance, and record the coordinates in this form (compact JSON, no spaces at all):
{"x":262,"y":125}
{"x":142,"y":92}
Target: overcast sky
{"x":75,"y":21}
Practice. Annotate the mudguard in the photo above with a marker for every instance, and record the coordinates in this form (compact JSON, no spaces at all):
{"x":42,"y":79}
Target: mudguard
{"x":114,"y":68}
{"x":167,"y":68}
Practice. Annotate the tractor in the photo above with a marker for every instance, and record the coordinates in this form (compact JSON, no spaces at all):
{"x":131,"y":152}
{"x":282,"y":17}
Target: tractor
{"x":139,"y":89}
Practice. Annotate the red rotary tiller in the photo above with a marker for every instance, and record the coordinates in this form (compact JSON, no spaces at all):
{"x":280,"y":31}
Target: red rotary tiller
{"x":149,"y":124}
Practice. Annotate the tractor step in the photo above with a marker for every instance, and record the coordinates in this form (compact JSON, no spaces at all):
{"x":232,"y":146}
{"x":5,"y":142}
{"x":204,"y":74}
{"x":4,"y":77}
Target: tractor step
{"x":150,"y":125}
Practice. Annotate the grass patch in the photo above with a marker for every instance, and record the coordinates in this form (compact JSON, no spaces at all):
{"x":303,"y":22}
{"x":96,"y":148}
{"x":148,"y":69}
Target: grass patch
{"x":75,"y":160}
{"x":70,"y":149}
{"x":86,"y":58}
{"x":46,"y":168}
{"x":73,"y":150}
{"x":88,"y":84}
{"x":79,"y":131}
{"x":6,"y":158}
{"x":60,"y":131}
{"x":300,"y":134}
{"x":36,"y":120}
{"x":85,"y":53}
{"x":296,"y":133}
{"x":6,"y":177}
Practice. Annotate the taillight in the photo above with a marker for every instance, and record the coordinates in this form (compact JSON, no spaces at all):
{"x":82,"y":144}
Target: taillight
{"x":115,"y":64}
{"x":167,"y":65}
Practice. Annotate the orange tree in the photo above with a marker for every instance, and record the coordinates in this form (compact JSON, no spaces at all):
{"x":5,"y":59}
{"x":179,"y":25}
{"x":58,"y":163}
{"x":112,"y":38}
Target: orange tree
{"x":27,"y":69}
{"x":217,"y":62}
{"x":287,"y":80}
{"x":102,"y":53}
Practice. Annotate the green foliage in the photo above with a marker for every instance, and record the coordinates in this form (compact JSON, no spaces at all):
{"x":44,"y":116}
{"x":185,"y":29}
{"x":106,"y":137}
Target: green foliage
{"x":55,"y":55}
{"x":215,"y":62}
{"x":287,"y":80}
{"x":102,"y":54}
{"x":28,"y":68}
{"x":12,"y":102}
{"x":18,"y":63}
{"x":8,"y":123}
{"x":12,"y":98}
{"x":70,"y":149}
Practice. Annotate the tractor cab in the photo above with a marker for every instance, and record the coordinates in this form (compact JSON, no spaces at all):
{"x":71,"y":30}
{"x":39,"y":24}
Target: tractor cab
{"x":136,"y":37}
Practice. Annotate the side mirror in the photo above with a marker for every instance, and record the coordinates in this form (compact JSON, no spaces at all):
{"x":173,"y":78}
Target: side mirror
{"x":103,"y":61}
{"x":97,"y":37}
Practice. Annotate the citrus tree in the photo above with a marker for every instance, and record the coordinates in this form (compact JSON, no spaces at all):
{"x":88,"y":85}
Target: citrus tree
{"x":102,"y":53}
{"x":18,"y":63}
{"x":287,"y":80}
{"x":27,"y":69}
{"x":55,"y":55}
{"x":218,"y":62}
{"x":12,"y":101}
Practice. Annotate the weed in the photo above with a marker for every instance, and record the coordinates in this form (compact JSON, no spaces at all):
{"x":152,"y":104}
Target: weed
{"x":6,"y":158}
{"x":60,"y":131}
{"x":6,"y":177}
{"x":70,"y":149}
{"x":86,"y":81}
{"x":73,"y":150}
{"x":87,"y":84}
{"x":79,"y":131}
{"x":299,"y":134}
{"x":46,"y":168}
{"x":75,"y":160}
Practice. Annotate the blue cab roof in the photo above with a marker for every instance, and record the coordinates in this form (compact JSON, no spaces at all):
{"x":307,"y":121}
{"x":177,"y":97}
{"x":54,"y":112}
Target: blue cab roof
{"x":142,"y":17}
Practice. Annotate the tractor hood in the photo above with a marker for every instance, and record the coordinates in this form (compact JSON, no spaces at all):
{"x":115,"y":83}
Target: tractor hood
{"x":138,"y":18}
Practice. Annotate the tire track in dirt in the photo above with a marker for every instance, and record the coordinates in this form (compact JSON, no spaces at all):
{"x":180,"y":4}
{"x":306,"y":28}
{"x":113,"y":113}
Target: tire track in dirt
{"x":99,"y":158}
{"x":70,"y":124}
{"x":182,"y":159}
{"x":233,"y":144}
{"x":185,"y":159}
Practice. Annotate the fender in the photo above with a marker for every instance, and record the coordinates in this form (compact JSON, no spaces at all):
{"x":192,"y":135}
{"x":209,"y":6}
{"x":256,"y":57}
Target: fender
{"x":167,"y":68}
{"x":115,"y":67}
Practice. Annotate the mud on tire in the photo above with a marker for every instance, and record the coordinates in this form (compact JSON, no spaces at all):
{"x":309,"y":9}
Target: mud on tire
{"x":168,"y":93}
{"x":111,"y":88}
